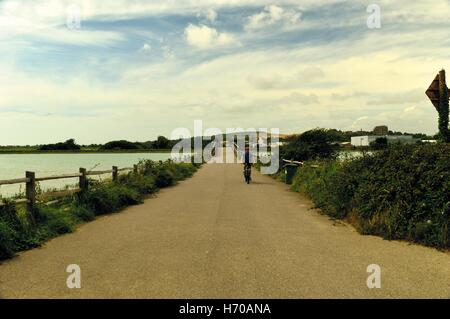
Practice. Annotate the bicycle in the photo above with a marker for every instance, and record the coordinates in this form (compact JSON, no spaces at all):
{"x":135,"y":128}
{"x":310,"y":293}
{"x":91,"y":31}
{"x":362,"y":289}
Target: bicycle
{"x":247,"y":173}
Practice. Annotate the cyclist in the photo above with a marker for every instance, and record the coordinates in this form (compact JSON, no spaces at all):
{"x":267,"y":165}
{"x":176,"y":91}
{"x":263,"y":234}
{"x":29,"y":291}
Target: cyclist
{"x":247,"y":161}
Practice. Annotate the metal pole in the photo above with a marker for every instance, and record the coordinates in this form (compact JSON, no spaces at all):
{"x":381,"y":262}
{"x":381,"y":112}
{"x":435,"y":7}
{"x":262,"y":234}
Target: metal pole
{"x":443,"y":107}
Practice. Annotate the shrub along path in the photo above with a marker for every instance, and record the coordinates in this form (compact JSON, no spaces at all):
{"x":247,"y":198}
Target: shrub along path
{"x":214,"y":236}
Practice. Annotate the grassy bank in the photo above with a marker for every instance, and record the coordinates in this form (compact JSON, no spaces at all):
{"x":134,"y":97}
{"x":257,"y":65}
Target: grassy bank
{"x":20,"y":230}
{"x":402,"y":192}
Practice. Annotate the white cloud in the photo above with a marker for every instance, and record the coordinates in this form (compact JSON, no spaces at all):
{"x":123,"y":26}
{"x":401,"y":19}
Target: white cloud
{"x":397,"y":98}
{"x":146,"y":48}
{"x":204,"y":37}
{"x":45,"y":27}
{"x":410,"y":109}
{"x":211,"y":15}
{"x":208,"y":16}
{"x":79,"y":37}
{"x":399,"y":120}
{"x":272,"y":15}
{"x":311,"y":76}
{"x":297,"y":98}
{"x":311,"y":73}
{"x":55,"y":10}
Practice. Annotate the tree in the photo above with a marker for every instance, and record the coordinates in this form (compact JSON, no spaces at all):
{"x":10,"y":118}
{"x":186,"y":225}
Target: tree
{"x":68,"y":145}
{"x":162,"y":143}
{"x":379,"y":143}
{"x":312,"y":144}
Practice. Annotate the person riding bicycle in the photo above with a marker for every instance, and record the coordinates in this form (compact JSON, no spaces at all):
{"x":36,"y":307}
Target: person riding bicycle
{"x":247,"y":156}
{"x":247,"y":159}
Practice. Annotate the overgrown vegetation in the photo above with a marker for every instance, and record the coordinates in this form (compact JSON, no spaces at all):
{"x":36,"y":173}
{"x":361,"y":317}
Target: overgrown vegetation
{"x":314,"y":144}
{"x":401,"y":192}
{"x":20,"y":231}
{"x":379,"y":143}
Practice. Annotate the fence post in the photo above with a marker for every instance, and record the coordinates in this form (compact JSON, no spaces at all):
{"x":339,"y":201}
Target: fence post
{"x":135,"y":169}
{"x":114,"y":173}
{"x":30,"y":192}
{"x":83,"y":180}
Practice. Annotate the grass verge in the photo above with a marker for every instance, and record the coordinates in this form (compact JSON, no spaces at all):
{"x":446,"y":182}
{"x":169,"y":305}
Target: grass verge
{"x":402,"y":192}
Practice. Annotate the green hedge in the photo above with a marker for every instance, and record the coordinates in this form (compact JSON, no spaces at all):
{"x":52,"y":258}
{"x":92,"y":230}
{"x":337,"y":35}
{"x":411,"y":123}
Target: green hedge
{"x":19,"y":232}
{"x":402,"y":192}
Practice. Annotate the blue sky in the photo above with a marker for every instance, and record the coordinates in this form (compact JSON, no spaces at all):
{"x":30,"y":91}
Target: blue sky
{"x":137,"y":69}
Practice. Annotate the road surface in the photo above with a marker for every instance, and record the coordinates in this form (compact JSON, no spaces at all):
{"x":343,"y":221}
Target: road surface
{"x":213,"y":236}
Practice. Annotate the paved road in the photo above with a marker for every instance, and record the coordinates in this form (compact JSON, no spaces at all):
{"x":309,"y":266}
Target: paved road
{"x":214,"y":236}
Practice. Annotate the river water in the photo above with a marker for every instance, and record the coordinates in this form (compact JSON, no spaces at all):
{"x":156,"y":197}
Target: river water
{"x":14,"y":166}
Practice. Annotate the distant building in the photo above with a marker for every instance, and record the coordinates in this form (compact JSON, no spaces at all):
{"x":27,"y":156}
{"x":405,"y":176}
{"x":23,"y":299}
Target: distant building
{"x":407,"y":139}
{"x":363,"y":140}
{"x":381,"y":130}
{"x":358,"y":141}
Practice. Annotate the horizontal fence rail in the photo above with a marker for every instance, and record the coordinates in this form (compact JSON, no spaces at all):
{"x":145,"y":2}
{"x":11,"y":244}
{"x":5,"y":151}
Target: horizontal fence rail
{"x":99,"y":172}
{"x":14,"y":181}
{"x":16,"y":202}
{"x":49,"y":178}
{"x":300,"y":163}
{"x":61,"y":193}
{"x":293,"y":162}
{"x":30,"y":185}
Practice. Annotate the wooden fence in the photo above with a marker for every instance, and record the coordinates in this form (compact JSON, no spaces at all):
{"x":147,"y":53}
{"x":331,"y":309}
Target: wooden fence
{"x":30,"y":181}
{"x":293,"y":162}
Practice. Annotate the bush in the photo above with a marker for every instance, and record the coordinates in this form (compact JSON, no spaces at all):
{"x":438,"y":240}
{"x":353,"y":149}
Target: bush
{"x":57,"y":221}
{"x":167,"y":173}
{"x":103,"y":198}
{"x":328,"y":186}
{"x":82,"y":213}
{"x":140,"y":183}
{"x":402,"y":192}
{"x":314,"y":144}
{"x":164,"y":178}
{"x":179,"y":171}
{"x":7,"y":236}
{"x":379,"y":143}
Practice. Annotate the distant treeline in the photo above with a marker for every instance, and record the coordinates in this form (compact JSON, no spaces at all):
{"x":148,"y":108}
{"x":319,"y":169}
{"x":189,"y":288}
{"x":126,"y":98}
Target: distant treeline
{"x":161,"y":143}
